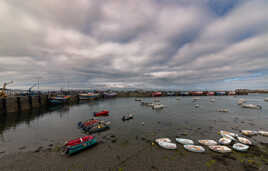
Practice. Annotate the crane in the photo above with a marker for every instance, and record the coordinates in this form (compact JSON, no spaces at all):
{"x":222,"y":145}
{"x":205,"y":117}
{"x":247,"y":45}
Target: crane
{"x":2,"y":92}
{"x":30,"y":89}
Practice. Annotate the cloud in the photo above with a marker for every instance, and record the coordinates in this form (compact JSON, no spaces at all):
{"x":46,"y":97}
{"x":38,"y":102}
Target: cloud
{"x":128,"y":44}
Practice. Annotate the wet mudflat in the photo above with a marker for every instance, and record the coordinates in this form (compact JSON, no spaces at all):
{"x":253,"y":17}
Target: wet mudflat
{"x":31,"y":141}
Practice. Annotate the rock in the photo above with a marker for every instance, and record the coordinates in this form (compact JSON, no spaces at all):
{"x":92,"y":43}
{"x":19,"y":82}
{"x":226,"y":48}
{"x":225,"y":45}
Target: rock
{"x":2,"y":151}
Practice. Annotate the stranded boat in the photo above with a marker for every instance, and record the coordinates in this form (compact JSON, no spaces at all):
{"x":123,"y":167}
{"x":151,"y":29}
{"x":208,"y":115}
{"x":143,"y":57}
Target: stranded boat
{"x":127,"y":117}
{"x":79,"y":144}
{"x":194,"y":148}
{"x":102,"y":113}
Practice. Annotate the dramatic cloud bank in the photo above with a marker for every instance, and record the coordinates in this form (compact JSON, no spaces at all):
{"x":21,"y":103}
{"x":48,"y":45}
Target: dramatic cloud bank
{"x":184,"y":44}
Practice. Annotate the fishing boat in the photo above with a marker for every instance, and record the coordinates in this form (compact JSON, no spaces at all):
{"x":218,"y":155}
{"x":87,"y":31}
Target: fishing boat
{"x":109,"y":94}
{"x":157,"y":94}
{"x":79,"y":144}
{"x":58,"y":100}
{"x":211,"y":93}
{"x":197,"y":93}
{"x":220,"y":93}
{"x":101,"y":113}
{"x":88,"y":96}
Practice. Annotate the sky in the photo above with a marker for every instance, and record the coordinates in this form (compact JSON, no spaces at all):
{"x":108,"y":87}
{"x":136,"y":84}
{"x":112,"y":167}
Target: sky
{"x":148,"y":44}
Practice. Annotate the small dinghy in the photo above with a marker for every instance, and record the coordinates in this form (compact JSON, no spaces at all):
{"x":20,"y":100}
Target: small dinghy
{"x":240,"y":147}
{"x":223,"y":110}
{"x":241,"y":101}
{"x":228,"y":134}
{"x":184,"y":141}
{"x":249,"y":132}
{"x":194,"y":148}
{"x":197,"y":106}
{"x":79,"y":145}
{"x":168,"y":145}
{"x":195,"y":99}
{"x":158,"y":140}
{"x":102,"y":113}
{"x":252,"y":106}
{"x":77,"y":141}
{"x":212,"y":100}
{"x":98,"y":128}
{"x":207,"y":142}
{"x":263,"y":133}
{"x":225,"y":141}
{"x":244,"y":140}
{"x":158,"y":106}
{"x":127,"y":117}
{"x":220,"y":148}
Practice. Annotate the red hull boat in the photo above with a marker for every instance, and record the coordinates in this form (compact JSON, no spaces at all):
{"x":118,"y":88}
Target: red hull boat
{"x":91,"y":122}
{"x":102,"y":113}
{"x":78,"y":140}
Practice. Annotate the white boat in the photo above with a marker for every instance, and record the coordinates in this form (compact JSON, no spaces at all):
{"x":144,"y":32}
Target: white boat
{"x":158,"y":140}
{"x":138,"y":99}
{"x":194,"y":148}
{"x":252,"y":106}
{"x":249,"y":132}
{"x":197,"y":106}
{"x":207,"y":142}
{"x":240,"y":147}
{"x":223,"y":110}
{"x":224,"y":133}
{"x":88,"y":96}
{"x":225,"y":141}
{"x":184,"y":141}
{"x":241,"y":101}
{"x":244,"y":140}
{"x":263,"y":133}
{"x":158,"y":106}
{"x":220,"y":148}
{"x":212,"y":100}
{"x":168,"y":145}
{"x":266,"y":99}
{"x":195,"y":99}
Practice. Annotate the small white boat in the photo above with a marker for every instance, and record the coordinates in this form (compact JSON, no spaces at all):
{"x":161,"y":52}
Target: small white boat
{"x":212,"y":100}
{"x":251,"y":106}
{"x":220,"y":148}
{"x":224,"y":133}
{"x":244,"y":140}
{"x":158,"y":140}
{"x":158,"y":106}
{"x":178,"y":98}
{"x":195,"y":99}
{"x":266,"y":99}
{"x":228,"y":137}
{"x":249,"y":132}
{"x":197,"y":106}
{"x":184,"y":141}
{"x":263,"y":133}
{"x":168,"y":145}
{"x":225,"y":141}
{"x":194,"y":148}
{"x":138,"y":99}
{"x":241,"y":101}
{"x":223,"y":110}
{"x":240,"y":147}
{"x":207,"y":142}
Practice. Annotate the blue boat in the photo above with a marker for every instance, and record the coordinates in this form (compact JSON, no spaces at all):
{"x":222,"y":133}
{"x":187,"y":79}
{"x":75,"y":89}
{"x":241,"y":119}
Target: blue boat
{"x":79,"y":147}
{"x":220,"y":93}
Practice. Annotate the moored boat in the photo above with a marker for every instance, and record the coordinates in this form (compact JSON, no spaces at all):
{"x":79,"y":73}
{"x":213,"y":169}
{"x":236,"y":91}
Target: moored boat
{"x":157,"y":94}
{"x":220,"y":148}
{"x":84,"y":143}
{"x":194,"y":148}
{"x":101,"y":113}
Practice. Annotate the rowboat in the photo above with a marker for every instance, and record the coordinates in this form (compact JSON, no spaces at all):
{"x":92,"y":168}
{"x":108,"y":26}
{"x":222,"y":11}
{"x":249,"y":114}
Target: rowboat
{"x":244,"y":140}
{"x":184,"y":141}
{"x":158,"y":140}
{"x":79,"y":144}
{"x":207,"y":142}
{"x":220,"y":148}
{"x":249,"y":132}
{"x":194,"y":148}
{"x":225,"y":141}
{"x":240,"y":147}
{"x":168,"y":145}
{"x":251,"y":106}
{"x":102,"y":113}
{"x":263,"y":133}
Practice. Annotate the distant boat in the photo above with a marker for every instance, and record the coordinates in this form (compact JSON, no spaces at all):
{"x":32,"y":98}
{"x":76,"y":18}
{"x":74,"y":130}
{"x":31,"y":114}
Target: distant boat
{"x":231,"y":93}
{"x":220,"y":93}
{"x":109,"y":94}
{"x":57,"y":100}
{"x":88,"y":96}
{"x":157,"y":94}
{"x":211,"y":93}
{"x":197,"y":93}
{"x":184,"y":93}
{"x":171,"y":94}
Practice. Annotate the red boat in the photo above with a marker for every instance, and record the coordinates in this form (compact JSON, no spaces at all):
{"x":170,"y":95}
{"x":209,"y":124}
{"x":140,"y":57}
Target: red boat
{"x":102,"y":113}
{"x":78,"y":140}
{"x":91,"y":122}
{"x":211,"y":93}
{"x":156,"y":94}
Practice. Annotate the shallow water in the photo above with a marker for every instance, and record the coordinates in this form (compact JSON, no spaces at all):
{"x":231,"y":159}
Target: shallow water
{"x":27,"y":131}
